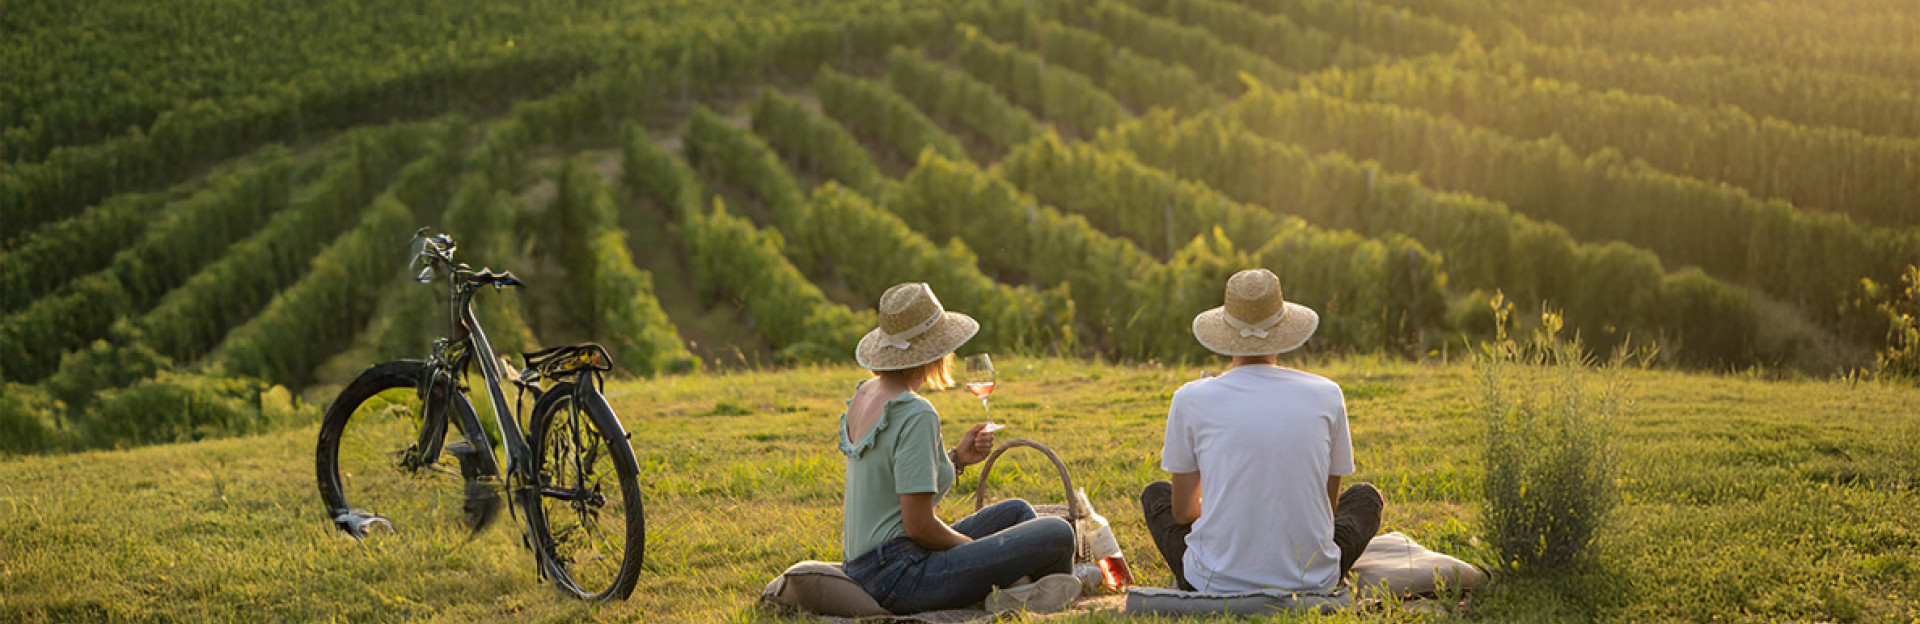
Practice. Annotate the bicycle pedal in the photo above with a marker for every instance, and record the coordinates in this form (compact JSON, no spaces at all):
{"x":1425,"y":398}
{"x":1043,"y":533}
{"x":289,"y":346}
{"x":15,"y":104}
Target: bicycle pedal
{"x":358,"y":524}
{"x":482,"y":507}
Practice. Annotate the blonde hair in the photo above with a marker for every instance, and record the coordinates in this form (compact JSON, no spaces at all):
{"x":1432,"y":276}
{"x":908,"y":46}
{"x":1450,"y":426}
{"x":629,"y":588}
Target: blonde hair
{"x":937,"y":375}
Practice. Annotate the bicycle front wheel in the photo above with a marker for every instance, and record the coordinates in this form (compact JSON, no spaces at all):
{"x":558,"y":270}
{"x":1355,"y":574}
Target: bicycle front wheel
{"x":585,"y":509}
{"x":379,"y":459}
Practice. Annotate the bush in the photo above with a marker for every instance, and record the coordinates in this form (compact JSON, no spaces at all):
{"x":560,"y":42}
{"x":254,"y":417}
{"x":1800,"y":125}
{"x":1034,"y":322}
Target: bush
{"x":1902,"y":355}
{"x":27,"y":420}
{"x":175,"y":407}
{"x":1549,"y":467}
{"x":115,"y":362}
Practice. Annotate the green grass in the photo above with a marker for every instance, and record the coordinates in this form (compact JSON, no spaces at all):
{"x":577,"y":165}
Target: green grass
{"x":1741,"y":500}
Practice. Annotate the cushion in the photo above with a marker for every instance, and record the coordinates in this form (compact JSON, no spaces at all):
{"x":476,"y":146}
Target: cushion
{"x":1395,"y":565}
{"x":821,"y":588}
{"x":1174,"y":602}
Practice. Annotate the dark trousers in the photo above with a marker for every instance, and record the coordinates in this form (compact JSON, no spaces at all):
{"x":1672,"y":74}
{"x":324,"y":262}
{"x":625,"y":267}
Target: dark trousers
{"x":1356,"y":518}
{"x":1008,"y":542}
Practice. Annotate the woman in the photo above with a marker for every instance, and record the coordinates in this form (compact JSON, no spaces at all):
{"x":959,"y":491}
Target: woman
{"x":898,"y":468}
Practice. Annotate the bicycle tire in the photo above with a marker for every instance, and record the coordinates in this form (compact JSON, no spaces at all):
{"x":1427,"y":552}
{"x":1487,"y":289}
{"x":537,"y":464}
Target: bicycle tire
{"x":562,"y":506}
{"x":377,"y":419}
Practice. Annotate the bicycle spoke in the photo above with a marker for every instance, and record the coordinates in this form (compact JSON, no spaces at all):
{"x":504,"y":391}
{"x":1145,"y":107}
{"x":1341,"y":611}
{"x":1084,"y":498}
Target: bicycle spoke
{"x":582,"y":504}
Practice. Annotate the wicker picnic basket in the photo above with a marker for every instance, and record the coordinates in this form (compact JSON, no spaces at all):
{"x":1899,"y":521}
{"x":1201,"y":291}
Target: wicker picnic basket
{"x":1073,"y":511}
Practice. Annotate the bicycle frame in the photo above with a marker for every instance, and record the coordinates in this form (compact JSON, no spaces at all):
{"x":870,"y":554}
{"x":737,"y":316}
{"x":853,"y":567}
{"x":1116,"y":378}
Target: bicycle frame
{"x":451,"y":358}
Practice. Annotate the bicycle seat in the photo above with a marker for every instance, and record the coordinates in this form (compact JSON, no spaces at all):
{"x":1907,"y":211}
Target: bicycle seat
{"x":553,"y":362}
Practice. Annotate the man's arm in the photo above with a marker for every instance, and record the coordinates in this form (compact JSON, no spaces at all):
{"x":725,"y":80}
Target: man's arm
{"x":1186,"y":497}
{"x":1333,"y":493}
{"x":924,"y":528}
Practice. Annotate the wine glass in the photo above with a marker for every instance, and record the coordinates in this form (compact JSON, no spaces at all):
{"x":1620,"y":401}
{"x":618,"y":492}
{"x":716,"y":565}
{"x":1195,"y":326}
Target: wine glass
{"x":979,"y":375}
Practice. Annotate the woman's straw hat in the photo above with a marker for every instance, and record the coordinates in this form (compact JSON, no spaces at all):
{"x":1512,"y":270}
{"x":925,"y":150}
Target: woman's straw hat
{"x":1256,"y":320}
{"x":914,"y":330}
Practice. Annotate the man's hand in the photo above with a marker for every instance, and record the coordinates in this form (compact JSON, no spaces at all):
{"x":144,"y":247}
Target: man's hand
{"x":974,"y":446}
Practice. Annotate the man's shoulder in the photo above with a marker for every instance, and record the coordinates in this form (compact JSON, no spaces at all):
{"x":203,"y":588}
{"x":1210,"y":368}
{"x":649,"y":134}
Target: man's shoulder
{"x":1311,"y":379}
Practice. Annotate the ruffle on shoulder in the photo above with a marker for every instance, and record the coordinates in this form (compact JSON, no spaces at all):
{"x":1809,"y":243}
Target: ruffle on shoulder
{"x":888,"y":413}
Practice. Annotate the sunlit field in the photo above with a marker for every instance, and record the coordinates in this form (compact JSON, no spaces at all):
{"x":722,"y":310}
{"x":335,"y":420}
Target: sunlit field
{"x":1743,"y":500}
{"x":206,"y":205}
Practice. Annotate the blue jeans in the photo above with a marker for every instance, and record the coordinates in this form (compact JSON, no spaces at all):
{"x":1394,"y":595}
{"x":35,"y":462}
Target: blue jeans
{"x":1008,"y":543}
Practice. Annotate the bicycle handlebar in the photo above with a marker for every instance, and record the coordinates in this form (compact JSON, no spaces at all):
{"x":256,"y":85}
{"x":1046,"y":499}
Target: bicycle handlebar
{"x":434,"y":251}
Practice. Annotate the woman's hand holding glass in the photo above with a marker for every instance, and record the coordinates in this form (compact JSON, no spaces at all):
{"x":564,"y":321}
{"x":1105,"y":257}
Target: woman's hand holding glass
{"x":974,"y":446}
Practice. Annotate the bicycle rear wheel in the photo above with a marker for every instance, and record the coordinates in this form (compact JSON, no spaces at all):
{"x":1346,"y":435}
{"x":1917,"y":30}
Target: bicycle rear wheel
{"x":586,"y":514}
{"x":373,"y":456}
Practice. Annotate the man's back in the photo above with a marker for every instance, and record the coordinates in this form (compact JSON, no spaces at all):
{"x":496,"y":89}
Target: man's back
{"x":1264,"y":440}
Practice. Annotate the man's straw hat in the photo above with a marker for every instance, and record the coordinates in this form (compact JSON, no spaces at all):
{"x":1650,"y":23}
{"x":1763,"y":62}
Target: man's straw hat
{"x":1256,"y":320}
{"x":914,"y":330}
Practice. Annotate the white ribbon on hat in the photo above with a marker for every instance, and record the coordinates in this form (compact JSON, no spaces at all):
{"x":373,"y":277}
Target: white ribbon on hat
{"x":1256,"y":330}
{"x":904,"y":340}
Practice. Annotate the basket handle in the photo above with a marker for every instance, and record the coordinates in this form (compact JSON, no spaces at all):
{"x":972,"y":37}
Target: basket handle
{"x":1074,"y":511}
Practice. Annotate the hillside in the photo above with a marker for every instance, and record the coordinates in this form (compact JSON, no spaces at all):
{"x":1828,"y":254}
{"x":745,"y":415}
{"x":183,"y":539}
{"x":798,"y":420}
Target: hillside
{"x":1742,"y":500}
{"x":205,"y":206}
{"x":726,"y":185}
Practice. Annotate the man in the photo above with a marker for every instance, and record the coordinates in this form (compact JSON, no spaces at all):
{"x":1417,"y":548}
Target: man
{"x":1256,"y":456}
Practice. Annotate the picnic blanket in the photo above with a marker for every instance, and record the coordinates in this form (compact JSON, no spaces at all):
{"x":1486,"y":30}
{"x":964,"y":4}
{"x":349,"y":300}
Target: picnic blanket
{"x":821,"y":590}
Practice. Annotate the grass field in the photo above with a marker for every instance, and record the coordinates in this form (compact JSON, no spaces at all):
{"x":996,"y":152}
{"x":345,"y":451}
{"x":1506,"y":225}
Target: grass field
{"x":1741,"y":500}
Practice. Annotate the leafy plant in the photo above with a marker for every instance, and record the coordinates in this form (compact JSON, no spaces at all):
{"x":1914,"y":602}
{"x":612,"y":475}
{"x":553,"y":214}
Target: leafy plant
{"x":1548,"y":409}
{"x":1901,"y":358}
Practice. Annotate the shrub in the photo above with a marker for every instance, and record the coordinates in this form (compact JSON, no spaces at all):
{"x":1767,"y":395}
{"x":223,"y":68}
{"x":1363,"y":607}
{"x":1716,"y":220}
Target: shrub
{"x":27,"y":419}
{"x":175,"y":407}
{"x":1902,"y":356}
{"x":1549,"y":467}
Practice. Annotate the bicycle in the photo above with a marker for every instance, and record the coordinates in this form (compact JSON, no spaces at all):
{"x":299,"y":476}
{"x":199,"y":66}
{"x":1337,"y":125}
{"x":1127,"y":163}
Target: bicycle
{"x":571,"y":472}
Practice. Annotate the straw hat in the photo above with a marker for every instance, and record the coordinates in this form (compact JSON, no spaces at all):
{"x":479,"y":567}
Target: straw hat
{"x":1256,"y":320}
{"x":914,"y":330}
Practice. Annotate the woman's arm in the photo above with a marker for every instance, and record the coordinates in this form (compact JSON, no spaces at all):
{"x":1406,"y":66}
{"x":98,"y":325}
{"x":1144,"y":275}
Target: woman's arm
{"x":924,"y":528}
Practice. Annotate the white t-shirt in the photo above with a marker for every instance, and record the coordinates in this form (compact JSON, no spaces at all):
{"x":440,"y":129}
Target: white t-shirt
{"x":1264,"y":440}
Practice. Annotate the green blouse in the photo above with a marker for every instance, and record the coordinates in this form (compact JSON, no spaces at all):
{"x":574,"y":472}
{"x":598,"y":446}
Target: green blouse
{"x":901,"y":454}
